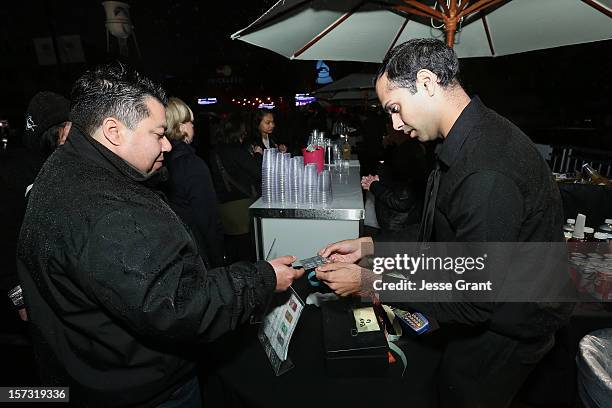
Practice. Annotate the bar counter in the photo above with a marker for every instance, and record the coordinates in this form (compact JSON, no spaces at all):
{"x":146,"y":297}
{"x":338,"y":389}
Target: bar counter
{"x":302,"y":229}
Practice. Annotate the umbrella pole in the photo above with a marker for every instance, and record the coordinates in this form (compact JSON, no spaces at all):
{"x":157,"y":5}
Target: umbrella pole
{"x":450,"y":23}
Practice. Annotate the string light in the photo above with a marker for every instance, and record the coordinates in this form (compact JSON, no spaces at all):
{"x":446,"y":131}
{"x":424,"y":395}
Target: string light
{"x":255,"y":101}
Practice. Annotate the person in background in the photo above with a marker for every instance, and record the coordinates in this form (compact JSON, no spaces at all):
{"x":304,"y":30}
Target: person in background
{"x":189,"y":188}
{"x":46,"y":127}
{"x":237,"y":178}
{"x":261,"y":133}
{"x":117,"y":294}
{"x":399,"y":186}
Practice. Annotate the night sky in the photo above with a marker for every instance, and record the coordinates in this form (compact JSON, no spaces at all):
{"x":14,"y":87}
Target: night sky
{"x":184,"y":44}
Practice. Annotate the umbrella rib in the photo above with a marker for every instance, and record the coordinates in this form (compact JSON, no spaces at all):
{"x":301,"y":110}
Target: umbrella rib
{"x":598,"y":7}
{"x":489,"y":39}
{"x":397,"y":36}
{"x":409,"y":10}
{"x":445,"y":8}
{"x":329,"y":28}
{"x":478,"y":6}
{"x":425,"y":9}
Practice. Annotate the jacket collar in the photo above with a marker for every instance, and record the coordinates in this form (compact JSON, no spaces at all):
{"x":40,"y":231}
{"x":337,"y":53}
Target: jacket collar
{"x":448,"y":151}
{"x":180,"y":148}
{"x":92,"y":151}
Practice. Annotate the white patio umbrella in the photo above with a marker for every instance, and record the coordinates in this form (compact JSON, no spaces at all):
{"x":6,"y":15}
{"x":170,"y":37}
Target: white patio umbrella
{"x":352,"y":89}
{"x":354,"y":30}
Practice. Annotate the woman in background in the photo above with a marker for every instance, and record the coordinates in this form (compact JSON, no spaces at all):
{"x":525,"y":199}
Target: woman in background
{"x":190,"y":189}
{"x":261,"y":134}
{"x":237,"y":178}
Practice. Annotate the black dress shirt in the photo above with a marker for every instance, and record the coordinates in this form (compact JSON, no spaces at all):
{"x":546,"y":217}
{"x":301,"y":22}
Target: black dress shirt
{"x":490,"y":185}
{"x":494,"y":185}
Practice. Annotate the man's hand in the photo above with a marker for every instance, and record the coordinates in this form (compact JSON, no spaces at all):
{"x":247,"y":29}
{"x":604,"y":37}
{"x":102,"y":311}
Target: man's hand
{"x":348,"y":251}
{"x":285,"y":274}
{"x":343,"y":278}
{"x":366,"y":181}
{"x":23,"y":315}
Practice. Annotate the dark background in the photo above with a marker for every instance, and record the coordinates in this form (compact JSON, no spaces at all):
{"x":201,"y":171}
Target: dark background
{"x":558,"y":96}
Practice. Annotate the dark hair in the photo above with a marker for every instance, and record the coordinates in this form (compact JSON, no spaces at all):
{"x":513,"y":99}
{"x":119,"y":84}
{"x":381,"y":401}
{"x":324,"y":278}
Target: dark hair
{"x":112,"y":90}
{"x":231,"y":131}
{"x":258,"y":115}
{"x":402,"y":63}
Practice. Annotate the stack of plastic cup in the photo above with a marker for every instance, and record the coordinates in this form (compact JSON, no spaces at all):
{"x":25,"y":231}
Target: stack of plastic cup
{"x":296,"y":180}
{"x":324,"y":187}
{"x":310,"y":184}
{"x":299,"y":159}
{"x":268,"y":179}
{"x":281,"y":175}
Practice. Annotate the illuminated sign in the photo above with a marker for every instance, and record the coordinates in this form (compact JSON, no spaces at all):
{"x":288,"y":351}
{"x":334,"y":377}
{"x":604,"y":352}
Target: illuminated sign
{"x":304,"y":99}
{"x":207,"y":101}
{"x":323,"y":75}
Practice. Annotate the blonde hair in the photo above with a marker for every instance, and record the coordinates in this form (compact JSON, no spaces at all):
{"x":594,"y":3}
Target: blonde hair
{"x":177,"y":113}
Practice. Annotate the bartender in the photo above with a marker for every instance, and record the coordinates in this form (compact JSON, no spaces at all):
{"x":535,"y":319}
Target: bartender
{"x":476,"y":193}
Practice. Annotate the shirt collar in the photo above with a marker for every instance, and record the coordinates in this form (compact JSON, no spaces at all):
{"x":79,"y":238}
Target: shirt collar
{"x":447,"y":152}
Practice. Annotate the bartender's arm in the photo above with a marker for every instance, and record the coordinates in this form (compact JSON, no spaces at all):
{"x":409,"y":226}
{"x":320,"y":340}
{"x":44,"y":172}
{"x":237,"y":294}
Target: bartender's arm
{"x":487,"y":207}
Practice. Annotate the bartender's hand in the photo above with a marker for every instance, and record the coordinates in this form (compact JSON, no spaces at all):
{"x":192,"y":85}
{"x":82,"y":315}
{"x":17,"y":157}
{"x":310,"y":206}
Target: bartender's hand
{"x":348,"y":251}
{"x":257,"y":149}
{"x":343,"y":278}
{"x":285,"y":274}
{"x":23,"y":314}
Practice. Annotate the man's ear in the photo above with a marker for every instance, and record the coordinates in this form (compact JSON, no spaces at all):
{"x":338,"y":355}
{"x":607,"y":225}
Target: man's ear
{"x":428,"y":80}
{"x":112,"y":130}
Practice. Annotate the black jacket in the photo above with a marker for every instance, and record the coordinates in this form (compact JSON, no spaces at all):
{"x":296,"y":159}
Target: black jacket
{"x":400,"y":192}
{"x":242,"y":168}
{"x":192,"y":196}
{"x":113,"y":283}
{"x":257,"y":141}
{"x":398,"y":208}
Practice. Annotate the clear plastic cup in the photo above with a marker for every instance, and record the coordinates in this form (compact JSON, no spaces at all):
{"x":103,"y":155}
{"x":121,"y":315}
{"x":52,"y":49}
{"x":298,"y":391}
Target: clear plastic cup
{"x":296,"y":181}
{"x":299,"y":159}
{"x":281,"y":177}
{"x":268,"y":176}
{"x":337,"y":151}
{"x":310,"y":184}
{"x":324,"y":187}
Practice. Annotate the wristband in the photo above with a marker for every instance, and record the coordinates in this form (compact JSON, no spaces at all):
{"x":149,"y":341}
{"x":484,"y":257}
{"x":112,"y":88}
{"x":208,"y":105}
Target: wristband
{"x":16,"y":296}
